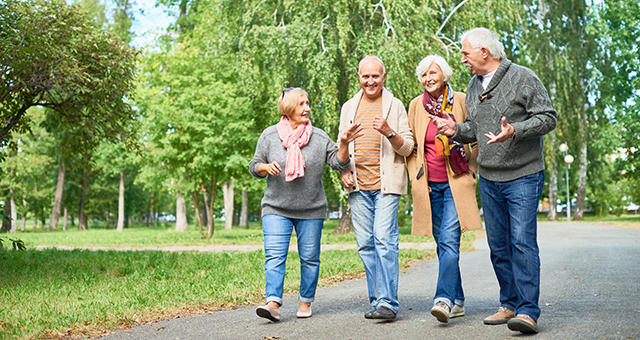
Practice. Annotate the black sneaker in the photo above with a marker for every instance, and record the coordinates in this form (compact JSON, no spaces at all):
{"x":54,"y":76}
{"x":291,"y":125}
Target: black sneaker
{"x":383,"y":313}
{"x":369,"y":313}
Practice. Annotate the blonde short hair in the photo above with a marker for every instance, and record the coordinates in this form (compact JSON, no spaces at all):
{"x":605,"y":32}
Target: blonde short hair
{"x":289,"y":100}
{"x":434,"y":58}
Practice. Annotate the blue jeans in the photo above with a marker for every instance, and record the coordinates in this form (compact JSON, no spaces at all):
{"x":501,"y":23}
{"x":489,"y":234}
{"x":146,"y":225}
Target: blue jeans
{"x":512,"y":232}
{"x":277,"y":234}
{"x":446,"y":233}
{"x":375,"y":223}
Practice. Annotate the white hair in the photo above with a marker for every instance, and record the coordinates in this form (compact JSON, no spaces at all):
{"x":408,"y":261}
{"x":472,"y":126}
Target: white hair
{"x":481,"y":37}
{"x":365,"y":59}
{"x":434,"y":58}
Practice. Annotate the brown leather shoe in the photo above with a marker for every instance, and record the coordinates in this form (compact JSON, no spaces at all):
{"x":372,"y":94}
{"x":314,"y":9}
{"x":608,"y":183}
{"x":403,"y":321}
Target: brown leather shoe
{"x":267,"y":312}
{"x":501,"y":316}
{"x":523,"y":323}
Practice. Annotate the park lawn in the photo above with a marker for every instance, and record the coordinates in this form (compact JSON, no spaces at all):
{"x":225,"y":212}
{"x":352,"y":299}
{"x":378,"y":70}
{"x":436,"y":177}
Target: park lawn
{"x":163,"y":234}
{"x":56,"y":293}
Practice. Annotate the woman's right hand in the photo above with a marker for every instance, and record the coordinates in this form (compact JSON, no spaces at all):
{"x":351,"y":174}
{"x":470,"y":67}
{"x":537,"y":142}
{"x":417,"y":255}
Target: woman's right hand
{"x":272,"y":169}
{"x":354,"y":131}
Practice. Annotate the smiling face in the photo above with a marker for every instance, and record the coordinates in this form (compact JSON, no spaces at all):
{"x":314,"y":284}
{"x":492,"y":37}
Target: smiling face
{"x":475,"y":60}
{"x":371,"y":76}
{"x":433,"y":80}
{"x":300,"y":114}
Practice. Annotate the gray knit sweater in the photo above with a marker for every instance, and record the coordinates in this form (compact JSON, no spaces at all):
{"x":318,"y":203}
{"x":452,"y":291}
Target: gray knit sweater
{"x":516,"y":93}
{"x":303,"y":197}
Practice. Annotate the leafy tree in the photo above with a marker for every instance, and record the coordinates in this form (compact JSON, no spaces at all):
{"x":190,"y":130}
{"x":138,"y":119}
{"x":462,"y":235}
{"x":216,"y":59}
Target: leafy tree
{"x":52,"y":55}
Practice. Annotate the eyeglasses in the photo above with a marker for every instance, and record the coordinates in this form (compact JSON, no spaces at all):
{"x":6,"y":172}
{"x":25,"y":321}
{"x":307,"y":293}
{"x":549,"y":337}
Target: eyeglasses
{"x":286,"y":90}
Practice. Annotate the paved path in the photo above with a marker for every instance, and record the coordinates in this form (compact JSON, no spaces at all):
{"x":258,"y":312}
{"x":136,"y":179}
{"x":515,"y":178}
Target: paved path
{"x":590,"y":290}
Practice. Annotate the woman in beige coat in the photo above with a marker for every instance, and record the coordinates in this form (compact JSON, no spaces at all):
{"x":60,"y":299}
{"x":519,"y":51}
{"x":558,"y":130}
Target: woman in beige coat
{"x":443,"y":182}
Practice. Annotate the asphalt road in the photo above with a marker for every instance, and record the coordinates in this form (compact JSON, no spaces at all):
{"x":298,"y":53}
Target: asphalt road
{"x":590,"y":290}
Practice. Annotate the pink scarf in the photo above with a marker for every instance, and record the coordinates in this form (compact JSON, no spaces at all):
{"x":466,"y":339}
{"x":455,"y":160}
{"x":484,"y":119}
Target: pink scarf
{"x":293,"y":140}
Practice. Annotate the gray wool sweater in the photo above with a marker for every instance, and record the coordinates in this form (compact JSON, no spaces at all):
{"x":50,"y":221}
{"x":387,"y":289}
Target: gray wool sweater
{"x":516,"y":93}
{"x":302,"y":198}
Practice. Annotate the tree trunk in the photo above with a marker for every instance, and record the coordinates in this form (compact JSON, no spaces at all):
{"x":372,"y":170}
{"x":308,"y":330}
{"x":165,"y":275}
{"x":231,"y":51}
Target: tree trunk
{"x":35,"y":204}
{"x":181,"y":214}
{"x":72,"y":218}
{"x":82,"y":219}
{"x":120,"y":225}
{"x":552,"y":215}
{"x":227,"y":191}
{"x":24,"y":214}
{"x":65,"y":219}
{"x":196,"y":205}
{"x":582,"y":165}
{"x":244,"y":210}
{"x":152,"y":213}
{"x":14,"y":212}
{"x":209,"y":204}
{"x":6,"y":224}
{"x":345,"y":225}
{"x":582,"y":182}
{"x":57,"y":203}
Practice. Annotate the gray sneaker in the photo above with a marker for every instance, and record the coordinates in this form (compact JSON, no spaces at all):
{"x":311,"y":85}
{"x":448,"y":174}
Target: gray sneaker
{"x":441,"y":312}
{"x":456,"y":311}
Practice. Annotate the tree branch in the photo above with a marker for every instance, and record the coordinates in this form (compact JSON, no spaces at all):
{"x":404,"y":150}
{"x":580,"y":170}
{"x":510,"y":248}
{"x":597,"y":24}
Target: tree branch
{"x":14,"y":120}
{"x":449,"y":16}
{"x":385,"y":19}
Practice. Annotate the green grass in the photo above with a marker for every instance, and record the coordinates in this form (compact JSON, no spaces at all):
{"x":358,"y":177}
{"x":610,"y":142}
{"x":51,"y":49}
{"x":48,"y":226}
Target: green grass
{"x":52,"y":293}
{"x":164,"y":235}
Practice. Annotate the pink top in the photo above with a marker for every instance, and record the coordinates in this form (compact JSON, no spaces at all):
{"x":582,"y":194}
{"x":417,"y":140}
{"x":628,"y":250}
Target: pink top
{"x":436,"y":166}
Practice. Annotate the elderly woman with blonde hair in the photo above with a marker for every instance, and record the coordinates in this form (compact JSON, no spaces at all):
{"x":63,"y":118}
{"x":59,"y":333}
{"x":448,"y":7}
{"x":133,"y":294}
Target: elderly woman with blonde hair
{"x":443,"y":181}
{"x":292,"y":156}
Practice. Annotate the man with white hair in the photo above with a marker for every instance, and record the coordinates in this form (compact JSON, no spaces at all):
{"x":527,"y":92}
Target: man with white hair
{"x":375,"y":180}
{"x":509,"y":112}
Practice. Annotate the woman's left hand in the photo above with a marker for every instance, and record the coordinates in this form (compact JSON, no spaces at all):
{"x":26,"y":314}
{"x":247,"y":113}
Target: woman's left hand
{"x":353,"y":132}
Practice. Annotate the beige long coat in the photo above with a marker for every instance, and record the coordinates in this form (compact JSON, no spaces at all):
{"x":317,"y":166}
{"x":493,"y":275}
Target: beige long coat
{"x":463,"y":187}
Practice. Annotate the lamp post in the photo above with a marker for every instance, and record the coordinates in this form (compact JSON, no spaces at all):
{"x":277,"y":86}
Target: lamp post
{"x":568,"y":159}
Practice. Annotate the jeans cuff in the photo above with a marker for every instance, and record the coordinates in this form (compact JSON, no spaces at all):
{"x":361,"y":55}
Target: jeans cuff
{"x":459,"y":302}
{"x":274,"y":299}
{"x":305,"y":300}
{"x":443,"y":299}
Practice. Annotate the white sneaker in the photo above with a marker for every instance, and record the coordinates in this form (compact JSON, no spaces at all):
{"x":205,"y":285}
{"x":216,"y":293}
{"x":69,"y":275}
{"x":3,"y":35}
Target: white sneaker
{"x":441,"y":312}
{"x":456,"y":311}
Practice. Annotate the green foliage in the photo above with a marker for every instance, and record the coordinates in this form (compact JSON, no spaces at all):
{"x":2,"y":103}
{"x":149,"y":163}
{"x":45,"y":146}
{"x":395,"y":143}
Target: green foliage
{"x":52,"y":56}
{"x":17,"y":244}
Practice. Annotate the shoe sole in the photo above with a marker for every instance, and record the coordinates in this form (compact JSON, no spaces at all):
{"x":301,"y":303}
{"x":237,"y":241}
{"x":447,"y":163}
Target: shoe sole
{"x":263,"y":313}
{"x":495,"y":322}
{"x":521,"y":326}
{"x":302,"y":315}
{"x":441,"y":315}
{"x":457,"y":315}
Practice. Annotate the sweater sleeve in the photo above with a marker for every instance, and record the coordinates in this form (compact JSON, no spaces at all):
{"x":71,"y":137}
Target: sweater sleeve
{"x":261,"y":156}
{"x":404,"y":130}
{"x":542,"y":118}
{"x":466,"y":131}
{"x":332,"y":154}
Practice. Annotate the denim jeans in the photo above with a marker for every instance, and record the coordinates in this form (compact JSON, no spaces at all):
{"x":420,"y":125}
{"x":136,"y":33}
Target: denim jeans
{"x":277,"y":234}
{"x":375,"y":223}
{"x":446,"y":233}
{"x":512,"y":232}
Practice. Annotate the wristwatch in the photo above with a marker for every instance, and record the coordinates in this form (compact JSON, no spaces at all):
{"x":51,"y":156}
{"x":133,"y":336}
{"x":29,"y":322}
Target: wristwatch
{"x":393,"y":134}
